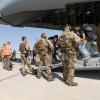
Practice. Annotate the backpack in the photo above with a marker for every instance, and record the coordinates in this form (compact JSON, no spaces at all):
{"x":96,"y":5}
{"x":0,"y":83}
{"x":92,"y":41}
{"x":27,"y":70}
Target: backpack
{"x":42,"y":46}
{"x":63,"y":42}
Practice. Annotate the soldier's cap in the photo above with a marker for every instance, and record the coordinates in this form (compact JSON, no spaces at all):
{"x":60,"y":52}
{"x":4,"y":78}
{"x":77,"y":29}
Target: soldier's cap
{"x":43,"y":35}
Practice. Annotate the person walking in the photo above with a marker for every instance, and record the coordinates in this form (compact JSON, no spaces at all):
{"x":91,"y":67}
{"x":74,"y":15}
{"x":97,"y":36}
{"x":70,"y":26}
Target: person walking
{"x":6,"y":55}
{"x":67,"y":44}
{"x":24,"y":49}
{"x":42,"y":49}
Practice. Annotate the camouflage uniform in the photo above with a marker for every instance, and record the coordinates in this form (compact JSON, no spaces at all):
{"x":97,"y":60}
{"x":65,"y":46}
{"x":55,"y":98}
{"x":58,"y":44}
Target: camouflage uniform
{"x":42,"y":56}
{"x":24,"y":60}
{"x":68,"y":42}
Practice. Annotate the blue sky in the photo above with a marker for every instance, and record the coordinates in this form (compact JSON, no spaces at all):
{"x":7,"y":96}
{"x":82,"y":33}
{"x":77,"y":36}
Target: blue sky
{"x":14,"y":34}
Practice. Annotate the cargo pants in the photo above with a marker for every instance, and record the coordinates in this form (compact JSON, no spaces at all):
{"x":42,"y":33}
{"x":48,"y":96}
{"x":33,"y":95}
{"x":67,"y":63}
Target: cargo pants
{"x":40,"y":60}
{"x":24,"y":61}
{"x":69,"y":68}
{"x":7,"y":63}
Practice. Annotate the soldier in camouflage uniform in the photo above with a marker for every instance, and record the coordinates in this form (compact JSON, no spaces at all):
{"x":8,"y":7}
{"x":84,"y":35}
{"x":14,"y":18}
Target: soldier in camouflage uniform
{"x":67,"y":43}
{"x":42,"y":50}
{"x":24,"y":48}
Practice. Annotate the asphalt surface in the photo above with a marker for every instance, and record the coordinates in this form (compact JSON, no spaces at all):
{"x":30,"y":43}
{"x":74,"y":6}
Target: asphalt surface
{"x":15,"y":87}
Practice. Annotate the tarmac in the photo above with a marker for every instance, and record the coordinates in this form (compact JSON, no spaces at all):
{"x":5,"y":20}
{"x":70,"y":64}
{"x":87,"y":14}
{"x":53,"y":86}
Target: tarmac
{"x":13,"y":86}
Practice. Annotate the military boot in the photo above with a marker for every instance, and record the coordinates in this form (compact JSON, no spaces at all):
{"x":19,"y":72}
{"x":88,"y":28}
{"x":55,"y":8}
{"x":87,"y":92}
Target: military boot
{"x":39,"y":75}
{"x":23,"y":72}
{"x":49,"y":80}
{"x":31,"y":70}
{"x":64,"y":79}
{"x":72,"y":84}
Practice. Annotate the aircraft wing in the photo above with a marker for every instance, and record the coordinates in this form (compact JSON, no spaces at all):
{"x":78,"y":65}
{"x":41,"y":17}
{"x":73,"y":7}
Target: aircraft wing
{"x":25,"y":12}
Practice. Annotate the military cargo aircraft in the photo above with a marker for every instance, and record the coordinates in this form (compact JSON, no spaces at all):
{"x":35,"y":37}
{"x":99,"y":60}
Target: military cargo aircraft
{"x":52,"y":14}
{"x":37,"y":12}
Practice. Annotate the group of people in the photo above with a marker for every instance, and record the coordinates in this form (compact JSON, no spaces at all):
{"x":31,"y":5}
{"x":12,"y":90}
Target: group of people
{"x":46,"y":49}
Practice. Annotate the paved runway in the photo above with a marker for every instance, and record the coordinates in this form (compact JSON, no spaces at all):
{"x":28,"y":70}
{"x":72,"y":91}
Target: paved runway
{"x":15,"y":87}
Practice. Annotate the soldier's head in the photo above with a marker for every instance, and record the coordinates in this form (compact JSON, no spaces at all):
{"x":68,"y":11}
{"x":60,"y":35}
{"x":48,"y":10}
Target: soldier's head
{"x":77,"y":27}
{"x":4,"y":44}
{"x":67,"y":28}
{"x":9,"y":43}
{"x":24,"y":39}
{"x":43,"y":35}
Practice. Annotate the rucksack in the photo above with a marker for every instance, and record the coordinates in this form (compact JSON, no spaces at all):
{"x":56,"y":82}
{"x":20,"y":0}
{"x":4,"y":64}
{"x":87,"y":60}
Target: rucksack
{"x":63,"y":42}
{"x":42,"y":46}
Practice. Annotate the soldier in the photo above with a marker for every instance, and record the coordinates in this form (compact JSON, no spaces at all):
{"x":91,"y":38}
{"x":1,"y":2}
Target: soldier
{"x":23,"y":48}
{"x":43,"y":49}
{"x":67,"y":43}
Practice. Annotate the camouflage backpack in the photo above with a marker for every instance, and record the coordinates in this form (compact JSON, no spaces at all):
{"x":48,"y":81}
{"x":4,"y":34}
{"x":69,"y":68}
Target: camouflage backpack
{"x":42,"y":46}
{"x":63,"y":42}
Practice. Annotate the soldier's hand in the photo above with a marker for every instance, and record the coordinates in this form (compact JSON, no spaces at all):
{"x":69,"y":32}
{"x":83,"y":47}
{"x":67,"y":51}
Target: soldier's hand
{"x":82,"y":41}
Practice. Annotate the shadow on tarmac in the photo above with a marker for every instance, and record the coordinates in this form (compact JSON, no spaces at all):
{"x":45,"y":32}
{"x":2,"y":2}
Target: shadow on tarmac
{"x":91,"y":74}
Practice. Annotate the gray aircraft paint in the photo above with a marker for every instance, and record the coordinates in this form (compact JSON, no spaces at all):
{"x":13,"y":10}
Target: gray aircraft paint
{"x":8,"y":7}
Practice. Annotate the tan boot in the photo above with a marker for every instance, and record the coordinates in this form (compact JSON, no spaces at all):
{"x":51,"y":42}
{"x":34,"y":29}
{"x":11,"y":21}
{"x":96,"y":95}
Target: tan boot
{"x":72,"y":84}
{"x":38,"y":75}
{"x":32,"y":70}
{"x":50,"y":79}
{"x":23,"y":72}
